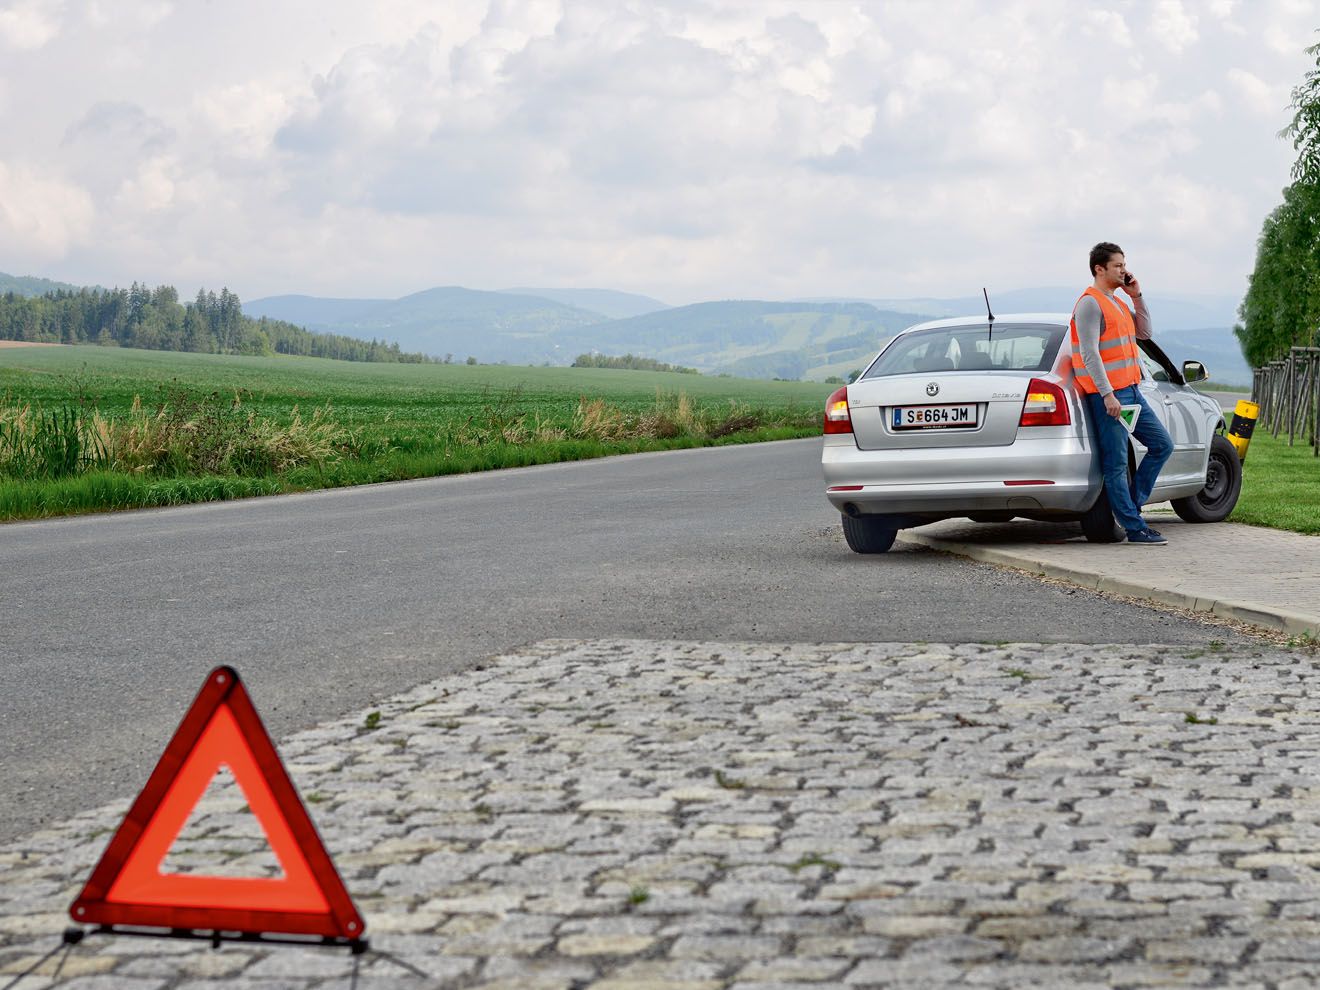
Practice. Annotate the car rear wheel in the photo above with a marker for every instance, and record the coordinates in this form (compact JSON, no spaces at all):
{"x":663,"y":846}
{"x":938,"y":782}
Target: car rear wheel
{"x":1223,"y":485}
{"x":1098,"y":522}
{"x":867,"y":534}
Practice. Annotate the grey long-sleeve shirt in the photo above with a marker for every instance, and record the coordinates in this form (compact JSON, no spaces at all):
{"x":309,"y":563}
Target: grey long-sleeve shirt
{"x":1090,"y":319}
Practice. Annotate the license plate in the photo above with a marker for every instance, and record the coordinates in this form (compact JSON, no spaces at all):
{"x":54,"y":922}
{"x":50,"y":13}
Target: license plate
{"x":933,"y":417}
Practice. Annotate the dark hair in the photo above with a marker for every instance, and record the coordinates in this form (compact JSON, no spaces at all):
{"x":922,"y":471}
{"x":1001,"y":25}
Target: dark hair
{"x":1101,"y":253}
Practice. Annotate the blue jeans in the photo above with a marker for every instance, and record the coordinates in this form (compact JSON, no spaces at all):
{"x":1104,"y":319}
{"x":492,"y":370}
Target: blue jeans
{"x":1111,"y":436}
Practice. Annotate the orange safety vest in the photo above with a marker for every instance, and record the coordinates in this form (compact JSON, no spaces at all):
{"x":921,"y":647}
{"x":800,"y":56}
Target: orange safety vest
{"x":1118,"y":345}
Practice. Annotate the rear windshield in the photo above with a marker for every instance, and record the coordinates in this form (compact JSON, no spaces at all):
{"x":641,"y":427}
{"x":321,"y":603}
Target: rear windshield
{"x":1010,"y":347}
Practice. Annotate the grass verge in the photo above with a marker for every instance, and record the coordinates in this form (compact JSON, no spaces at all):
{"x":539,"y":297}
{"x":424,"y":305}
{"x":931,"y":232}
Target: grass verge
{"x":1280,"y":485}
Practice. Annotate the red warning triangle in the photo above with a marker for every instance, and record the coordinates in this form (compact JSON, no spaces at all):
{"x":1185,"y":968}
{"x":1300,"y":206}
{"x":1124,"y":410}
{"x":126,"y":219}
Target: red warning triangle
{"x":128,"y":887}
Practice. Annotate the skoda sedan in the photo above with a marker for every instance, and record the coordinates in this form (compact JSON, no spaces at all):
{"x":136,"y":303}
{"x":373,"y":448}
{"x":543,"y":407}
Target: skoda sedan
{"x":982,"y":419}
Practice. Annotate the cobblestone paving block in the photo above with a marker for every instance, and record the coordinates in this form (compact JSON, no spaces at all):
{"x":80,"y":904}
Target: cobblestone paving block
{"x":627,"y":815}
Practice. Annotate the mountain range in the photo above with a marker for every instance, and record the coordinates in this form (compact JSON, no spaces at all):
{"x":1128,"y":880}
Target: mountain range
{"x":812,"y":338}
{"x":749,"y":338}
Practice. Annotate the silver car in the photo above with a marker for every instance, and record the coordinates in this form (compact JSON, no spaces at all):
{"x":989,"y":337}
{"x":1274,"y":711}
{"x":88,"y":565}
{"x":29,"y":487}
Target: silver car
{"x":982,"y":418}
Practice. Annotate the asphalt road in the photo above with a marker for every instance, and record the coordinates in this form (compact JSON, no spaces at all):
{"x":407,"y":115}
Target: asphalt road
{"x":328,"y":601}
{"x":1228,"y":400}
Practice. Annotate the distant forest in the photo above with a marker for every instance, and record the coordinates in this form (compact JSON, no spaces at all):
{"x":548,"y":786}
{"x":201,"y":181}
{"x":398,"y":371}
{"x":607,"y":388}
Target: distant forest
{"x":629,"y":361}
{"x":154,"y":319}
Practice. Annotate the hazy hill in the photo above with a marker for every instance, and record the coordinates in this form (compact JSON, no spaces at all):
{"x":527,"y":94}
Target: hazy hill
{"x":1170,"y":311}
{"x":1215,"y":347}
{"x":750,"y":338}
{"x":30,"y":285}
{"x":311,"y":311}
{"x":491,"y":326}
{"x":607,"y":302}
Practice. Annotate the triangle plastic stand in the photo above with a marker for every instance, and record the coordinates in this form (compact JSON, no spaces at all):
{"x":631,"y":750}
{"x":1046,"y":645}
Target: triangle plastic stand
{"x":128,"y":887}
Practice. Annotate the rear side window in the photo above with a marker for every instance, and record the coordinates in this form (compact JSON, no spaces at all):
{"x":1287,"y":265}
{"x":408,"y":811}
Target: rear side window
{"x":1010,"y":347}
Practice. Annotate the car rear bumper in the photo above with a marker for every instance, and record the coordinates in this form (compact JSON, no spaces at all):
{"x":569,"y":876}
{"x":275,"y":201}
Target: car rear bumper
{"x":1058,"y":473}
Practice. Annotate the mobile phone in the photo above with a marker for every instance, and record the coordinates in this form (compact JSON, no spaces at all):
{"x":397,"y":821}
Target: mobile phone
{"x":1127,"y":278}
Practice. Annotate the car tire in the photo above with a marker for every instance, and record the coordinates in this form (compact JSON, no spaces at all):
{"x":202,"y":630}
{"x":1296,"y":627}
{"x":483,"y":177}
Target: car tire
{"x":1223,"y":485}
{"x":1098,"y":521}
{"x":867,"y":534}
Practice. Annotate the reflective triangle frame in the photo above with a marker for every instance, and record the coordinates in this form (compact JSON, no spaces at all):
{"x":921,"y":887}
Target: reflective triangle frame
{"x":127,"y":887}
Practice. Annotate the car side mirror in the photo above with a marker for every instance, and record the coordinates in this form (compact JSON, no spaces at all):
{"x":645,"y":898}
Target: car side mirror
{"x":1194,"y":371}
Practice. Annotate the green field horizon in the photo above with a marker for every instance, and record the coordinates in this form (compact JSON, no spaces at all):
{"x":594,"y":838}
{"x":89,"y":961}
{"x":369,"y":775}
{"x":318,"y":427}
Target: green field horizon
{"x":204,"y":426}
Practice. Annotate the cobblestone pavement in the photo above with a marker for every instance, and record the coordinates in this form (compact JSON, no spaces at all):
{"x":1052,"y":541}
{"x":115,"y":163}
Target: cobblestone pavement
{"x":629,"y":815}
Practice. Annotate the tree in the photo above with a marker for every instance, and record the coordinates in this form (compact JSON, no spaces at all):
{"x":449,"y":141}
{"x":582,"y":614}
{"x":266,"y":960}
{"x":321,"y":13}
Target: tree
{"x":139,"y":317}
{"x":1305,"y":126}
{"x":1282,"y":306}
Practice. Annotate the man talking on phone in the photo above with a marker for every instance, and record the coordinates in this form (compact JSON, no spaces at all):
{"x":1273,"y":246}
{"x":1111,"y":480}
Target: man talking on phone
{"x":1107,"y":367}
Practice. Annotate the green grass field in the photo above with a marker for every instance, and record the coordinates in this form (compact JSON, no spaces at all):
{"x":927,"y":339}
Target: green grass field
{"x":91,"y":428}
{"x":1280,"y":484}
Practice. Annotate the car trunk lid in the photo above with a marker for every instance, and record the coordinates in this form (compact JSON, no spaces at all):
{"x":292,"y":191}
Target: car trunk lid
{"x":934,"y":409}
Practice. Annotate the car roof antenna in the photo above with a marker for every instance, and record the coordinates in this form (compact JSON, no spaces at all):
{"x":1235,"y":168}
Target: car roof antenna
{"x":990,"y":327}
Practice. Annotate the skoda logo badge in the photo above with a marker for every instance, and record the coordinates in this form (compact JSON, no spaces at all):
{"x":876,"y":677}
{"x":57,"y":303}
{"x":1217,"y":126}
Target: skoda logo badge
{"x":933,"y":388}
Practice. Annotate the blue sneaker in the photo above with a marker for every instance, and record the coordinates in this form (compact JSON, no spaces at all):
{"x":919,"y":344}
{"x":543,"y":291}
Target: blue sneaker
{"x":1147,"y":538}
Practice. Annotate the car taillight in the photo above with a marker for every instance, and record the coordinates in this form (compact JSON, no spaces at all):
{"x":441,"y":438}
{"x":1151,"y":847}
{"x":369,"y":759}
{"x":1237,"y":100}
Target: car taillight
{"x":837,"y":418}
{"x":1046,"y":405}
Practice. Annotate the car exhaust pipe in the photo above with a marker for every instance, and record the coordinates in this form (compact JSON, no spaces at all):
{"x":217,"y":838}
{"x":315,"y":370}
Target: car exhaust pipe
{"x":850,"y":508}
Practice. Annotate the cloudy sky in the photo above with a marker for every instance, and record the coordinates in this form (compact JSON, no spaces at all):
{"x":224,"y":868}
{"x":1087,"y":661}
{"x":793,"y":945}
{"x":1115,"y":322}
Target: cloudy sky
{"x":688,"y":150}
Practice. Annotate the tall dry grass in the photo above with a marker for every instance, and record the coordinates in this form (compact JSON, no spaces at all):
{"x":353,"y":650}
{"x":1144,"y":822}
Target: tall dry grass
{"x":183,"y":434}
{"x":500,"y":421}
{"x":672,"y":415}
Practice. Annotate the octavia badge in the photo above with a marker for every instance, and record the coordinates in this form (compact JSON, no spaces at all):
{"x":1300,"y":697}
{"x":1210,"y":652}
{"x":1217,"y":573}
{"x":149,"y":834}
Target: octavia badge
{"x":933,"y":389}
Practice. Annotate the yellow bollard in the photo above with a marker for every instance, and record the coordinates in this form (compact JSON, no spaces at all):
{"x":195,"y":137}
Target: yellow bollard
{"x":1244,"y":422}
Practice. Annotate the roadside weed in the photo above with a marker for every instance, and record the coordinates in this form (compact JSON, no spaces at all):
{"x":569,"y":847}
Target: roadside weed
{"x":1021,"y":674}
{"x":813,"y":859}
{"x":1304,"y":640}
{"x":727,"y":782}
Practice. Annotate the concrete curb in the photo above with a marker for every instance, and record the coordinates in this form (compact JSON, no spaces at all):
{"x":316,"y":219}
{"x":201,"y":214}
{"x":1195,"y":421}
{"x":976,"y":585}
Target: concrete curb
{"x":1257,"y":614}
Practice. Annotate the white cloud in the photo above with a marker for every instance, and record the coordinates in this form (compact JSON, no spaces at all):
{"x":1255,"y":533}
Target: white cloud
{"x":151,"y":190}
{"x":30,"y":24}
{"x":138,"y":13}
{"x":687,"y":148}
{"x":41,"y":217}
{"x":1198,"y":213}
{"x":1261,"y":97}
{"x":1109,"y":24}
{"x":1173,"y":26}
{"x":244,"y":118}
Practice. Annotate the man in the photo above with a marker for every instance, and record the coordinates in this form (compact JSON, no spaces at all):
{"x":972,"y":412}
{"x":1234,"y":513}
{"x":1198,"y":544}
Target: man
{"x":1107,"y":367}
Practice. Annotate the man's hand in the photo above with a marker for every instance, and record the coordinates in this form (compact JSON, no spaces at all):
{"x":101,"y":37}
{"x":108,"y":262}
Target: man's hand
{"x":1132,"y":288}
{"x":1112,"y":406}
